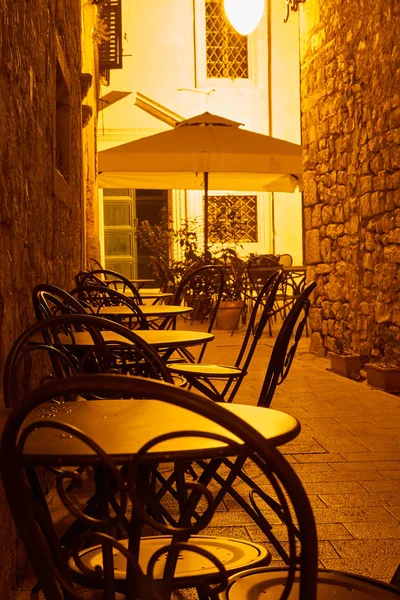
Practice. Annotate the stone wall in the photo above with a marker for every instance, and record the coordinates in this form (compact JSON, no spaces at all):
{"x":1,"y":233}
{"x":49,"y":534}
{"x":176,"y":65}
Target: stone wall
{"x":350,"y":102}
{"x":40,"y":213}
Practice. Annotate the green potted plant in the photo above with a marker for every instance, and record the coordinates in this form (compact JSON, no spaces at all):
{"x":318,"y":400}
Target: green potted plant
{"x":232,"y":302}
{"x":226,"y":231}
{"x":344,"y":361}
{"x":385,"y":372}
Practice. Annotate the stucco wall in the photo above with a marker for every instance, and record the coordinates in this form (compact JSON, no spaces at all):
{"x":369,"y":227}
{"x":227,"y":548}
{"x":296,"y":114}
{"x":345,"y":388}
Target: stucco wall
{"x":350,"y":101}
{"x":40,"y":215}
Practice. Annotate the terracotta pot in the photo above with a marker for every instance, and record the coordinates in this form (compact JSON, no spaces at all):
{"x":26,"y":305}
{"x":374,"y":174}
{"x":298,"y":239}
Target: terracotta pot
{"x":345,"y":364}
{"x":383,"y":378}
{"x":228,"y":314}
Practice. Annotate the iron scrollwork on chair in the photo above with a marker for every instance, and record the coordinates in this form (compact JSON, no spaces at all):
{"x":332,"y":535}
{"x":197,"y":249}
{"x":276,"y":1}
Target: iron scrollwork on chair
{"x":139,"y":566}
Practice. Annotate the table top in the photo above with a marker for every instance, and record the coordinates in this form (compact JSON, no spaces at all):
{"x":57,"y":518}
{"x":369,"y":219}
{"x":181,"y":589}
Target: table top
{"x":152,"y":294}
{"x":141,"y":280}
{"x":149,"y":310}
{"x":122,"y":427}
{"x":158,"y":338}
{"x":294,"y":268}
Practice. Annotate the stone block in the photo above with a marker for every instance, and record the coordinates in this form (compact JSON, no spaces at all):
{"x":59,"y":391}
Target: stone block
{"x":313,"y":249}
{"x":377,"y":203}
{"x":382,"y":312}
{"x":326,"y":250}
{"x":365,"y":184}
{"x":317,"y":344}
{"x":316,"y":216}
{"x":351,"y":227}
{"x":368,"y":263}
{"x":307,"y":218}
{"x":334,"y":288}
{"x":334,"y":231}
{"x":379,"y":181}
{"x":315,"y":319}
{"x":394,"y":235}
{"x":365,"y":205}
{"x":369,"y":241}
{"x":310,"y":189}
{"x":392,"y":253}
{"x":326,"y":214}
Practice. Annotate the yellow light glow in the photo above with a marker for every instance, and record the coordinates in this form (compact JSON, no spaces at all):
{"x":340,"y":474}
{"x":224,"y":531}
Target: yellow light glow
{"x":244,"y":15}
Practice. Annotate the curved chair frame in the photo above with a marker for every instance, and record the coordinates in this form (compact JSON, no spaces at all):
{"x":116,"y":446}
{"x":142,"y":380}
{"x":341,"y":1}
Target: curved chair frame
{"x":102,"y":356}
{"x":50,"y":300}
{"x":98,"y":296}
{"x":111,"y":279}
{"x":282,"y":356}
{"x":53,"y":570}
{"x":201,"y":376}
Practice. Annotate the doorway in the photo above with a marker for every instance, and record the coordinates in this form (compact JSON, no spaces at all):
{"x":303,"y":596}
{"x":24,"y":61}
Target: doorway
{"x":122,"y":210}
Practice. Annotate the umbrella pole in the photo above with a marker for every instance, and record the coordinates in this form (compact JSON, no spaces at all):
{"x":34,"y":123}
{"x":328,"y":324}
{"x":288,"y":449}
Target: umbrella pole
{"x":205,"y":215}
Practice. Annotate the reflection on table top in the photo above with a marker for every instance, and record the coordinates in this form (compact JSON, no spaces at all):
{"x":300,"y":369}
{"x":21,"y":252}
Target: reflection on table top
{"x":122,"y":427}
{"x":153,"y":294}
{"x":150,"y":310}
{"x":295,"y":269}
{"x":158,"y":338}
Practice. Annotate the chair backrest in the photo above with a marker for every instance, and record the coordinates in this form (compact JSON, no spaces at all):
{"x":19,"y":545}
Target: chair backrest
{"x":47,"y":351}
{"x":286,"y":498}
{"x":162,"y":273}
{"x":264,"y":301}
{"x":98,"y":297}
{"x":259,"y":270}
{"x":286,"y":260}
{"x":93,"y":264}
{"x":50,"y":300}
{"x":202,"y":290}
{"x":282,"y":356}
{"x":111,"y":279}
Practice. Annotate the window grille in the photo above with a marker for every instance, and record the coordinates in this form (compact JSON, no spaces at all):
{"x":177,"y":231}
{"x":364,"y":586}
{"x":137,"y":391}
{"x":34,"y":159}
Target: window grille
{"x":226,"y":49}
{"x":232,"y":219}
{"x":110,"y":47}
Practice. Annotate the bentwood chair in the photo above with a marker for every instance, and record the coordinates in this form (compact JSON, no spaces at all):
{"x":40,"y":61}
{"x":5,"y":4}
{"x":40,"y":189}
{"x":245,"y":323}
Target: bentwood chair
{"x":111,"y":279}
{"x":48,"y":350}
{"x":286,"y":260}
{"x":50,"y":300}
{"x":110,"y":551}
{"x":163,"y":274}
{"x":204,"y":377}
{"x":202,"y":290}
{"x":100,"y":298}
{"x":93,"y":264}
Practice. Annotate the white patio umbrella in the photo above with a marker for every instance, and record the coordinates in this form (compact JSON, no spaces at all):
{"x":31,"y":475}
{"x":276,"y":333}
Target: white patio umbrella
{"x":205,"y":152}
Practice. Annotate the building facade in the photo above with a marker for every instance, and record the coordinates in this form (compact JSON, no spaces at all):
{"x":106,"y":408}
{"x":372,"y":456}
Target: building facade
{"x":183,"y":59}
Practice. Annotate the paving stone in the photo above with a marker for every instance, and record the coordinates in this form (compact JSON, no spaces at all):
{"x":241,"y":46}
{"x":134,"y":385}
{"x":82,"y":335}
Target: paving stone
{"x":356,"y":500}
{"x":392,"y":474}
{"x":373,"y":530}
{"x":377,"y":548}
{"x":319,"y":458}
{"x":382,"y":486}
{"x":334,"y":487}
{"x":371,"y":456}
{"x":360,"y":515}
{"x":395,"y":511}
{"x":380,"y":569}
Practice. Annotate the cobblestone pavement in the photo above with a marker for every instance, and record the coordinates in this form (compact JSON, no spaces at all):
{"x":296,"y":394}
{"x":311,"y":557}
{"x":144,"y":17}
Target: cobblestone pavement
{"x":347,"y":456}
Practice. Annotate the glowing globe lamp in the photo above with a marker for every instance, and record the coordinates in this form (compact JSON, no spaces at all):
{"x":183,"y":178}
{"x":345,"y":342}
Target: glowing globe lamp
{"x":244,"y":15}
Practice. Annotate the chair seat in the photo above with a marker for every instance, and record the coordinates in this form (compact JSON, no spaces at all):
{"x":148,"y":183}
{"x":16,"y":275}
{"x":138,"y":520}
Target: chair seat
{"x":260,"y":584}
{"x":191,"y":568}
{"x":200,"y":369}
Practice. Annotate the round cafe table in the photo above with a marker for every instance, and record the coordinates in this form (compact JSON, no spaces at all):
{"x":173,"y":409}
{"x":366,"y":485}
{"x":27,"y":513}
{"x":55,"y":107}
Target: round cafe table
{"x":149,"y":294}
{"x":158,"y":338}
{"x":122,"y":427}
{"x":149,"y":310}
